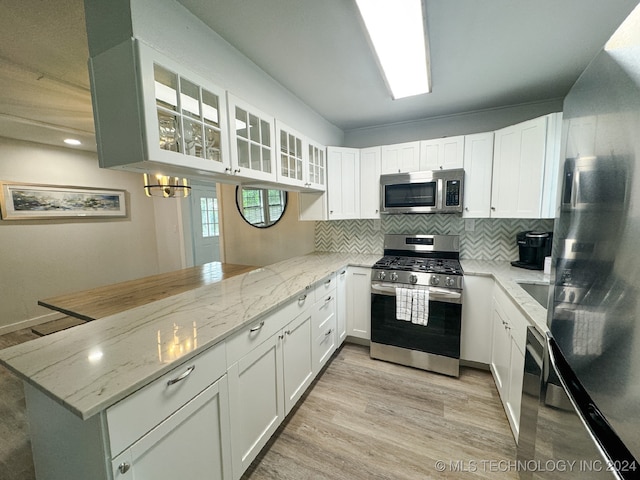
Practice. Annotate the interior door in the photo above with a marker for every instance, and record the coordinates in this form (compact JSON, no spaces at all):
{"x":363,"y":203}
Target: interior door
{"x":205,"y":224}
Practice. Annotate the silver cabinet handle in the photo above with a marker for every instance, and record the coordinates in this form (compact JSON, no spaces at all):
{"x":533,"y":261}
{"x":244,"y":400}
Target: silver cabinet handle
{"x":343,"y":272}
{"x":124,"y":467}
{"x":288,"y":332}
{"x":182,"y":376}
{"x":237,"y":170}
{"x":257,"y":327}
{"x":302,"y":298}
{"x":493,"y":208}
{"x":328,"y":282}
{"x":328,"y":299}
{"x":329,"y":332}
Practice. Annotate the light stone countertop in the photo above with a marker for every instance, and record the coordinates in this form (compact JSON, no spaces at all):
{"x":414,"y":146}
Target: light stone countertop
{"x":90,"y":367}
{"x":508,"y":277}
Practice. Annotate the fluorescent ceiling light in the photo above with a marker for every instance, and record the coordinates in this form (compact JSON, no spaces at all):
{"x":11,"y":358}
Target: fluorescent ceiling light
{"x":72,"y":141}
{"x":397,"y":31}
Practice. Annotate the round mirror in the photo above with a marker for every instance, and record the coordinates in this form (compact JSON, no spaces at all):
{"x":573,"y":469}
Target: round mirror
{"x":261,"y":207}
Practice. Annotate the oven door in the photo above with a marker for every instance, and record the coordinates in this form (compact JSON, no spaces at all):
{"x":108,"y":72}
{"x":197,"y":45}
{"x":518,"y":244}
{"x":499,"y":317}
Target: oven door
{"x":441,"y":335}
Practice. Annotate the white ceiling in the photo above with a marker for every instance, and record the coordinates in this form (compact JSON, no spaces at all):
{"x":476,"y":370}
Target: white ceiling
{"x":484,"y":54}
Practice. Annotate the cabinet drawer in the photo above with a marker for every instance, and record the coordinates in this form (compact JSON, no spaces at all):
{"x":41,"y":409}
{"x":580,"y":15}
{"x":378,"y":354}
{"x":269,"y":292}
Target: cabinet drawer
{"x":325,"y":286}
{"x":324,"y":311}
{"x":134,"y":416}
{"x":263,"y":328}
{"x":325,"y":344}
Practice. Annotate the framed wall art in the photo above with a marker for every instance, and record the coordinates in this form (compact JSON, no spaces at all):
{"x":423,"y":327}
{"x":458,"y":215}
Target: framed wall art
{"x":23,"y":201}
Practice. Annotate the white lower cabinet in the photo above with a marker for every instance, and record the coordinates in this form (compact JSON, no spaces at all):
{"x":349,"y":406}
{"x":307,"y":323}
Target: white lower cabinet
{"x":191,"y":443}
{"x":256,"y":401}
{"x":359,"y":302}
{"x":298,"y":361}
{"x":475,"y":341}
{"x":272,"y":363}
{"x":176,"y":426}
{"x":507,"y":355}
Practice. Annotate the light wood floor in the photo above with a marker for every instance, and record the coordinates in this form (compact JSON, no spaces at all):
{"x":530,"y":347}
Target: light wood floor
{"x":362,"y":419}
{"x":367,"y":419}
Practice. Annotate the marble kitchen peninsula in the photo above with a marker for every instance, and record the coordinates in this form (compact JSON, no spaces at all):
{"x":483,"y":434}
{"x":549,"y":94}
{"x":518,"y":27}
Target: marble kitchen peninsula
{"x":91,"y":367}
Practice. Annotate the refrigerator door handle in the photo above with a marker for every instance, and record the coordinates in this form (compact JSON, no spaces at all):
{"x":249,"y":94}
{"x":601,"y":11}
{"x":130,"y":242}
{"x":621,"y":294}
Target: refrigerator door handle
{"x":618,"y":459}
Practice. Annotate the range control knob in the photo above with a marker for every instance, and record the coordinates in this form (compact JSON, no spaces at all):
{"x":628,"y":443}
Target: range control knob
{"x":435,"y":280}
{"x":394,"y":276}
{"x":449,"y":282}
{"x":381,"y":275}
{"x":413,"y":278}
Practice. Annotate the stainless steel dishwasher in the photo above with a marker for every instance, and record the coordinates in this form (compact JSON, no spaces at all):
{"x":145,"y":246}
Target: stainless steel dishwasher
{"x":534,"y":364}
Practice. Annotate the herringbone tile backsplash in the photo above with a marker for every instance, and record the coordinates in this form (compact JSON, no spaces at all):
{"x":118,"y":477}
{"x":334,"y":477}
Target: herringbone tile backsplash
{"x":480,"y":238}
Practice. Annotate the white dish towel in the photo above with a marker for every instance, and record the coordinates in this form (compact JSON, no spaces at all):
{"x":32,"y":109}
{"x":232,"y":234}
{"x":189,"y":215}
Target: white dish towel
{"x":403,"y":303}
{"x":420,"y":307}
{"x":412,"y":305}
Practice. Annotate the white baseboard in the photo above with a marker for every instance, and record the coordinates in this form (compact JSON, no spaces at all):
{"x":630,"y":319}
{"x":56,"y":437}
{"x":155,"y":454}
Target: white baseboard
{"x":31,"y":322}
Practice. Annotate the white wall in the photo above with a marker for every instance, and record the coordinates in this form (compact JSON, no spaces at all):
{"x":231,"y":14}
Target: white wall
{"x":248,"y":245}
{"x":462,"y":124}
{"x":40,"y":259}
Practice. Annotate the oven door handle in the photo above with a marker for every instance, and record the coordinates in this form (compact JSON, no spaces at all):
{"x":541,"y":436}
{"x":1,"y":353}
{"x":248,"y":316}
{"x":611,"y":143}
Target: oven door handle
{"x":434,"y":292}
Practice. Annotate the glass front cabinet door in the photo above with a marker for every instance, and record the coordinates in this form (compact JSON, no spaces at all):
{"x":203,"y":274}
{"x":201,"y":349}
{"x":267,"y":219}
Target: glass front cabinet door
{"x":154,"y":115}
{"x":252,"y":141}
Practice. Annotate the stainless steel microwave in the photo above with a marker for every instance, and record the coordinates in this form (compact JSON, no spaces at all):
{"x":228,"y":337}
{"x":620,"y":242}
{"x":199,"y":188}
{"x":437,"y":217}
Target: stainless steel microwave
{"x":438,"y":191}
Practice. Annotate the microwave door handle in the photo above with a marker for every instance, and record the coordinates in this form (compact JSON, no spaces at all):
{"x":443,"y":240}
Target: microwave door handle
{"x":575,"y":188}
{"x":440,"y":187}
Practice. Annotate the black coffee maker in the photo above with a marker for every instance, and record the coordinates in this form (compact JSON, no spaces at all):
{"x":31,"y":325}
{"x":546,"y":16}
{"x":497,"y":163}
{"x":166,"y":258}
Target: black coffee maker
{"x":533,"y":247}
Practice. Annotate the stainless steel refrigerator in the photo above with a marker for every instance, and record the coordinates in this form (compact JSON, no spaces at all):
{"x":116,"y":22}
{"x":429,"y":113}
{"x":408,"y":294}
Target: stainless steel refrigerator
{"x":588,"y":420}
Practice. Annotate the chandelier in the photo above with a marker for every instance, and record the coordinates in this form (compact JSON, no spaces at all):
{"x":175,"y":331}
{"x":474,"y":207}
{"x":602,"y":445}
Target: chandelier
{"x":165,"y":186}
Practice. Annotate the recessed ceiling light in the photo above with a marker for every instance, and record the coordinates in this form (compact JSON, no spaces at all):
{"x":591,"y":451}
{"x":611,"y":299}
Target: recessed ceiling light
{"x":72,"y":141}
{"x":397,"y":30}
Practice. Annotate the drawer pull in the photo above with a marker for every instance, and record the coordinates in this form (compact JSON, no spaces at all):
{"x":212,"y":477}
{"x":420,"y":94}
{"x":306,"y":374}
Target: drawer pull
{"x":124,"y":467}
{"x":328,"y":299}
{"x":328,"y":282}
{"x":343,"y":272}
{"x":329,"y":332}
{"x":302,"y":298}
{"x":182,"y":376}
{"x":257,"y":327}
{"x":288,"y":332}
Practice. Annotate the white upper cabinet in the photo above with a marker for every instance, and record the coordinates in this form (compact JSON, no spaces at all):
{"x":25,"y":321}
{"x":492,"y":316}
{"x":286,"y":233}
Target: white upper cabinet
{"x":401,"y":157}
{"x":518,"y":170}
{"x":316,"y":166}
{"x":252,"y":141}
{"x":343,"y":182}
{"x":292,"y":155}
{"x":370,"y":182}
{"x":300,"y":162}
{"x":152,"y":114}
{"x":478,"y":162}
{"x":442,"y":153}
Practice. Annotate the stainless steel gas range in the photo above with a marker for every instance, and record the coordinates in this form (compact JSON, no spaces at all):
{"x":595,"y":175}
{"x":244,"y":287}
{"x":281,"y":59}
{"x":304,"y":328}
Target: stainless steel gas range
{"x":416,"y":302}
